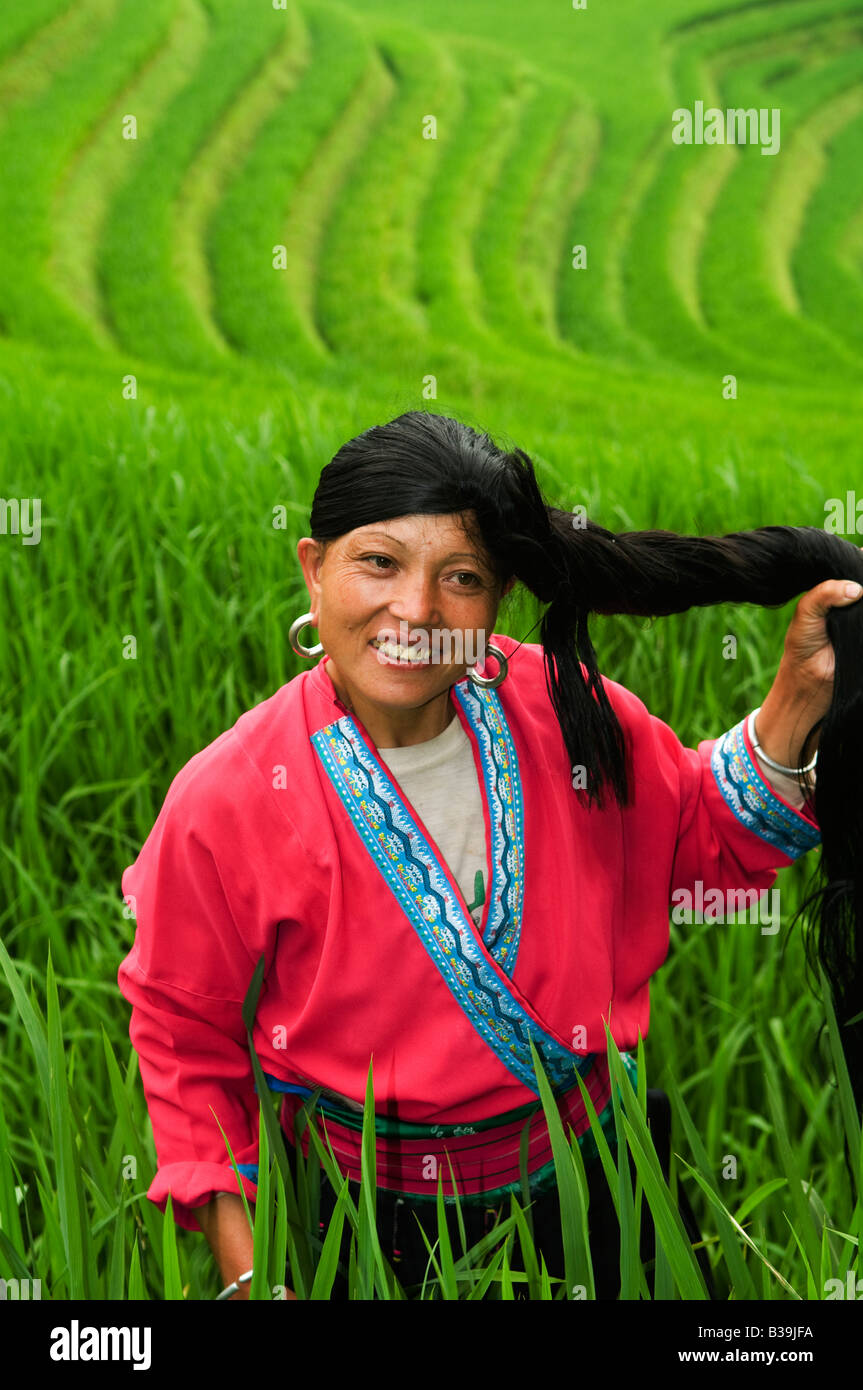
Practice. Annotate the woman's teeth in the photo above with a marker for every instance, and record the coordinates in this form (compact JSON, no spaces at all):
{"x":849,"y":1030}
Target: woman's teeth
{"x":394,"y":651}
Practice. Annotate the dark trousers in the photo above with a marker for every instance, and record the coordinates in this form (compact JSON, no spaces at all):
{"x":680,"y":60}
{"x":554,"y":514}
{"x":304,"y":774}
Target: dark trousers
{"x":404,"y":1247}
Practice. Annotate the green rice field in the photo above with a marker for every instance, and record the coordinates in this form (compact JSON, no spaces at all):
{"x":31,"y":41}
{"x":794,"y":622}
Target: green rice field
{"x":234,"y":235}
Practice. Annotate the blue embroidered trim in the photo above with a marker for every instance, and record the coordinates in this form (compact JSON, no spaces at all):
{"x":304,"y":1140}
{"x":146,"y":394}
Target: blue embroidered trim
{"x":249,"y":1170}
{"x":503,"y":796}
{"x":420,"y":886}
{"x":752,"y":800}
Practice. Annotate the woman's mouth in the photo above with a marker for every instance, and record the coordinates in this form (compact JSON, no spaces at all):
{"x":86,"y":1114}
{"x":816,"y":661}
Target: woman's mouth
{"x":391,"y":653}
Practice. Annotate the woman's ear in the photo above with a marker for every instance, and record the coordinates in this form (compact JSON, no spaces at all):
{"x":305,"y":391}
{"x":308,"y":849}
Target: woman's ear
{"x":310,"y":556}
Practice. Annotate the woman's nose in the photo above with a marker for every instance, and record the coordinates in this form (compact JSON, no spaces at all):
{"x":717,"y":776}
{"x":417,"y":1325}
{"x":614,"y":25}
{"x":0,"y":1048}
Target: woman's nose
{"x":415,"y":601}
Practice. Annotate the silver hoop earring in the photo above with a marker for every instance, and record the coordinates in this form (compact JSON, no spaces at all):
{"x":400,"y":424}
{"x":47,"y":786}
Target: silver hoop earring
{"x":294,"y":633}
{"x":489,"y":682}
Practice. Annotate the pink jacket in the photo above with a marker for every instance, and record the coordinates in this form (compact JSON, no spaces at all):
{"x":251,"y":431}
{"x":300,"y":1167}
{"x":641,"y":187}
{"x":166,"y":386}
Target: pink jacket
{"x":287,"y":837}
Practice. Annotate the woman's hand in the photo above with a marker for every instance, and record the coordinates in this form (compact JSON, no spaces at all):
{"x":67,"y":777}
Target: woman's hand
{"x":808,"y":651}
{"x":803,"y":689}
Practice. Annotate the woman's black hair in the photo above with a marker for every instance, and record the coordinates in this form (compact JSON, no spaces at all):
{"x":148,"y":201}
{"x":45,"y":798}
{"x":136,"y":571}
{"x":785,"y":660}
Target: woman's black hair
{"x":422,"y":463}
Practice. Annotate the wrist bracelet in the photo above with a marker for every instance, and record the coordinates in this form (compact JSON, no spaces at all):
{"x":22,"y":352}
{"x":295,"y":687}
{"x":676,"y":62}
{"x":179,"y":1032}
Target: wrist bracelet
{"x":789,"y":771}
{"x":235,"y":1287}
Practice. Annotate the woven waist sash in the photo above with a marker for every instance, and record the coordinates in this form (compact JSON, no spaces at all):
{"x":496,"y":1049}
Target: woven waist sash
{"x":485,"y":1154}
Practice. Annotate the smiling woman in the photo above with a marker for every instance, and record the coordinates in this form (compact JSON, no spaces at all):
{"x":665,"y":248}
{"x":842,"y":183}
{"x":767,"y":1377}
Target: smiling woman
{"x":430,"y":862}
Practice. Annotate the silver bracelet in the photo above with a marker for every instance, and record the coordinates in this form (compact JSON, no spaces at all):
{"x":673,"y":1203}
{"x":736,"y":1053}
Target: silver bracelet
{"x":235,"y":1287}
{"x":789,"y":771}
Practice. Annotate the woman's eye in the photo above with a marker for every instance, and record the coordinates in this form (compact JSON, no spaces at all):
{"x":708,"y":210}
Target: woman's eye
{"x":465,"y":579}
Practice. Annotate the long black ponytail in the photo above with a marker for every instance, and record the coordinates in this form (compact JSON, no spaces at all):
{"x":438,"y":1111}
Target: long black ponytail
{"x":424,"y":463}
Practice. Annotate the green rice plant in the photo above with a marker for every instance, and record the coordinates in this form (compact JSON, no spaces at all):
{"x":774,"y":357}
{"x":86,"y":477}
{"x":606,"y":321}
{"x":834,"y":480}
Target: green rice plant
{"x":37,"y":140}
{"x":469,"y":235}
{"x":670,"y":1231}
{"x":545,"y":254}
{"x":282,"y":193}
{"x":296,"y":1235}
{"x":740,"y":1276}
{"x":572,"y":1188}
{"x":707,"y":203}
{"x":82,"y":197}
{"x":19,"y":24}
{"x":745,"y":206}
{"x":537,"y":163}
{"x":150,"y":310}
{"x":824,"y":264}
{"x":369,"y":1256}
{"x":676,"y":1268}
{"x":366,"y":293}
{"x":171,"y":1264}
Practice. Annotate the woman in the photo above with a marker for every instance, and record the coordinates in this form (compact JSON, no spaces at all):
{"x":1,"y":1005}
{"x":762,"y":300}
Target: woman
{"x":433,"y":867}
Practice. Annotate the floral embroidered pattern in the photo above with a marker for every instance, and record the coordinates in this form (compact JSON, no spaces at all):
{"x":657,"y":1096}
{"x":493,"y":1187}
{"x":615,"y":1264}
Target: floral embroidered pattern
{"x":503,"y":798}
{"x":752,"y":800}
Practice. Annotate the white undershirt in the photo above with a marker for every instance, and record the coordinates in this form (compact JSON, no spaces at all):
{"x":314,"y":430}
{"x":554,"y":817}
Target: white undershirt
{"x":439,"y":779}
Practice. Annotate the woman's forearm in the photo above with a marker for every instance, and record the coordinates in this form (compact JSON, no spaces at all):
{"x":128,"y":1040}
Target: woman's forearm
{"x":225,"y":1224}
{"x":785,"y":717}
{"x":223,"y":1221}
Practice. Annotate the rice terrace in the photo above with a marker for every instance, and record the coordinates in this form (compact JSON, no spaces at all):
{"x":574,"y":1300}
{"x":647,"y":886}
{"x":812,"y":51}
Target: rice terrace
{"x":624,"y":237}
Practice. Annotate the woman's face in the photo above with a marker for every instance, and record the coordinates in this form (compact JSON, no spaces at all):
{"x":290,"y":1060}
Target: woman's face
{"x":415,"y":578}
